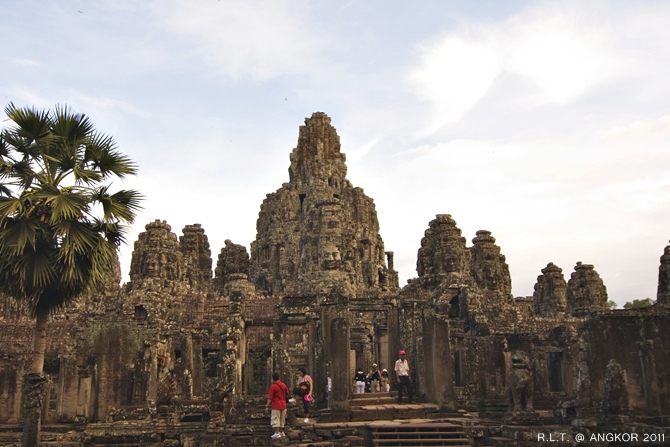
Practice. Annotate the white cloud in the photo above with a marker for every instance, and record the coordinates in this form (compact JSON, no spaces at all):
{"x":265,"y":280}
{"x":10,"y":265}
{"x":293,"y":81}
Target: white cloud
{"x":240,"y":38}
{"x":455,"y":73}
{"x":25,"y":62}
{"x":562,"y":51}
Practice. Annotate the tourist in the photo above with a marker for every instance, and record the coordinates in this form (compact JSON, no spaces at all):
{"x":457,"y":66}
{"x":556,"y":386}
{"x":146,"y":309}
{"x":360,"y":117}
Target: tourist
{"x":359,"y":380}
{"x":402,"y":377}
{"x":277,"y":396}
{"x":374,"y":378}
{"x":385,"y":381}
{"x":304,"y":390}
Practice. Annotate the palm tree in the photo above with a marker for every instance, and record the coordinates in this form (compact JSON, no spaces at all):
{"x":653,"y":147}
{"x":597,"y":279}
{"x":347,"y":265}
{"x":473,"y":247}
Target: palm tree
{"x":60,"y":225}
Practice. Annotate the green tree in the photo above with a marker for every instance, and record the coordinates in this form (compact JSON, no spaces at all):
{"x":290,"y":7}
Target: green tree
{"x":637,"y":304}
{"x":60,"y":225}
{"x":611,"y":305}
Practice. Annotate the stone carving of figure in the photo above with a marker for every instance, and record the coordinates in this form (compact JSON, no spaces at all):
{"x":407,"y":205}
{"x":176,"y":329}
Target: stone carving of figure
{"x":616,"y":389}
{"x":520,"y":392}
{"x":583,"y":384}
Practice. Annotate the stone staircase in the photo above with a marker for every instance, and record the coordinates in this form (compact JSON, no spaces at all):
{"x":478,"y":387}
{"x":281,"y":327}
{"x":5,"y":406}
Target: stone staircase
{"x":384,"y":406}
{"x":376,"y":419}
{"x":51,"y":436}
{"x":419,"y":434}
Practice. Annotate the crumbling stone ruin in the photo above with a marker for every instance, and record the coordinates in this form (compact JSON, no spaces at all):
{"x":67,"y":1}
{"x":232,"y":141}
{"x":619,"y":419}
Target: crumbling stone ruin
{"x":185,"y":343}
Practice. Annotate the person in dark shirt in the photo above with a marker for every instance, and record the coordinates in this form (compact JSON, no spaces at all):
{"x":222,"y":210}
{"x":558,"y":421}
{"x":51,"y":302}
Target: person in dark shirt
{"x":359,"y":379}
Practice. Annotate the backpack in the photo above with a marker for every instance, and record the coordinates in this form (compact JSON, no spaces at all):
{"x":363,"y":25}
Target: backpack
{"x":303,"y":388}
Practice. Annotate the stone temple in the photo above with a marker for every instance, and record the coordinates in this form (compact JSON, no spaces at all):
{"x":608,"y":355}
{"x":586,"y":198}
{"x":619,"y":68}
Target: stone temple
{"x":183,"y":354}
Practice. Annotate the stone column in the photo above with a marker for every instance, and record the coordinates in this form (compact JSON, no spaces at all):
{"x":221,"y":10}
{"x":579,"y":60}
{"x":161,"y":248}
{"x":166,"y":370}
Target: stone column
{"x":152,"y":385}
{"x":188,"y":359}
{"x":197,"y":364}
{"x":84,"y":393}
{"x":336,"y":354}
{"x":393,"y":339}
{"x":663,"y":294}
{"x":649,"y":379}
{"x":434,"y":359}
{"x":439,"y":361}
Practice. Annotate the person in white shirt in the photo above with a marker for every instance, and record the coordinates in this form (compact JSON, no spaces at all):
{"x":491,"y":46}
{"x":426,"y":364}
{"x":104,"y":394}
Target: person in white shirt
{"x":403,"y":379}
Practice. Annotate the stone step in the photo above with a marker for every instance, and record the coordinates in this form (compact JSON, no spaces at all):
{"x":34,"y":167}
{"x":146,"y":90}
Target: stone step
{"x":370,"y":400}
{"x":406,"y":442}
{"x":422,"y":440}
{"x":387,"y":434}
{"x":307,"y":444}
{"x":395,"y":434}
{"x":499,"y":441}
{"x":121,"y":444}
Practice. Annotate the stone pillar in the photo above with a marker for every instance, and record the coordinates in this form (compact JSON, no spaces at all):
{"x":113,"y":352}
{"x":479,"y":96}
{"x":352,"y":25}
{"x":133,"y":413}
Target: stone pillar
{"x":649,"y":379}
{"x":339,"y":355}
{"x":197,"y":364}
{"x":188,"y":357}
{"x":311,"y":343}
{"x":389,"y":260}
{"x":383,"y":355}
{"x":336,"y":346}
{"x":393,"y":339}
{"x":433,"y":360}
{"x":152,"y":385}
{"x":83,"y":393}
{"x":663,"y":294}
{"x":439,"y":363}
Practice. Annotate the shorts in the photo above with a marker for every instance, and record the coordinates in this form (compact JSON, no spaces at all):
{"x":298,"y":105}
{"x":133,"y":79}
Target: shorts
{"x":278,"y":418}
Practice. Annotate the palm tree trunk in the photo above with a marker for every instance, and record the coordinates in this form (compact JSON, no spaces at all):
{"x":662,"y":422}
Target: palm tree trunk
{"x":35,"y":387}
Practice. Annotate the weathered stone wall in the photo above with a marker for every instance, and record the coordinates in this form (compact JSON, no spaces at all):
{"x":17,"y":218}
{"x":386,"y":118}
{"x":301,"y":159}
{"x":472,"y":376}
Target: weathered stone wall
{"x":639,"y":341}
{"x":319,"y":291}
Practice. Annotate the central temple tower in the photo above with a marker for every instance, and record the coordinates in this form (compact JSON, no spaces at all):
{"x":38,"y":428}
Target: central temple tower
{"x":317,"y":231}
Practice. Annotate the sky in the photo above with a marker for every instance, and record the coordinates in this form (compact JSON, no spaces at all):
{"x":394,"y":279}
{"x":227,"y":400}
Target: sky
{"x":544,"y":122}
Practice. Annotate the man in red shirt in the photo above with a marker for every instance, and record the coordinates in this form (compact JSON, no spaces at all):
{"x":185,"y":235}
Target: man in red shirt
{"x":277,"y":396}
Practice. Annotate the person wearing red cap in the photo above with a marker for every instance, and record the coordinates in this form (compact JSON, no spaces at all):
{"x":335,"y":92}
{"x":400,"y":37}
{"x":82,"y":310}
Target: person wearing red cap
{"x":403,"y":379}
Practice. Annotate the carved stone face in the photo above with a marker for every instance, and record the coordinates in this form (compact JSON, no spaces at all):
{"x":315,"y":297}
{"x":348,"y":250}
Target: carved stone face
{"x":330,"y":257}
{"x":520,"y":360}
{"x":450,"y":263}
{"x":152,"y":269}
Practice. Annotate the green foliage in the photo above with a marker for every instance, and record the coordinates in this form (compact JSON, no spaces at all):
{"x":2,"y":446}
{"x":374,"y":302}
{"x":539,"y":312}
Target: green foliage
{"x":611,"y":305}
{"x":60,"y":226}
{"x":637,"y":304}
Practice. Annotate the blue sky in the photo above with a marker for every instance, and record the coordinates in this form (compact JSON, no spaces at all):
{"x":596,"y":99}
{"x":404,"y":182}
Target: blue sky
{"x":546,"y":123}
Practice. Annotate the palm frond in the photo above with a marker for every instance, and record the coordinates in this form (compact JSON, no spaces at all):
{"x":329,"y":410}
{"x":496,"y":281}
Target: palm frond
{"x":76,"y":237}
{"x":65,"y":204}
{"x":122,"y":205}
{"x":102,"y":154}
{"x":73,"y":128}
{"x":18,"y":234}
{"x":32,"y":125}
{"x":4,"y":147}
{"x":24,"y":173}
{"x":9,"y":205}
{"x":83,"y":174}
{"x":5,"y":191}
{"x":113,"y":232}
{"x":37,"y":267}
